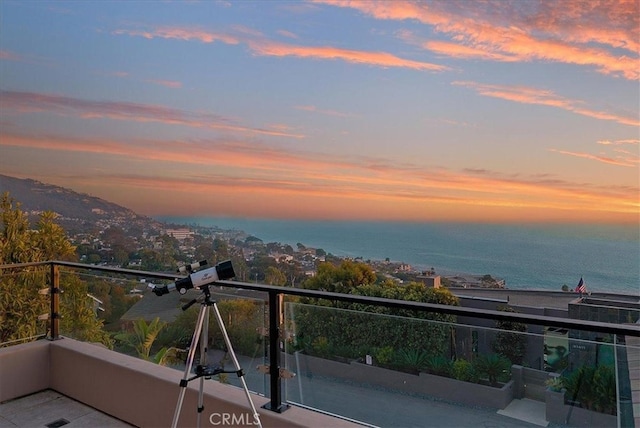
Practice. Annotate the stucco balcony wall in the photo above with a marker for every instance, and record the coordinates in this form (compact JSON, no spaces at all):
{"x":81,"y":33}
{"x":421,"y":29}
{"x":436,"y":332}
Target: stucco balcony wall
{"x":136,"y":391}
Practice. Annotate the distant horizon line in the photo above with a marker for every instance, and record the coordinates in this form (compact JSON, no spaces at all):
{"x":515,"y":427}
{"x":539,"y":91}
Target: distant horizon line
{"x":406,"y":221}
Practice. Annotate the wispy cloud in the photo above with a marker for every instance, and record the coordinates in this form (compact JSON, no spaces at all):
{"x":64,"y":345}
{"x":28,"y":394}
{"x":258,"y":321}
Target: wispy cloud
{"x":179,"y":33}
{"x":631,"y":141}
{"x":528,"y":95}
{"x":525,"y":31}
{"x":599,"y":158}
{"x":273,"y":170}
{"x":264,"y":47}
{"x":287,"y":34}
{"x":6,"y":55}
{"x":379,"y":59}
{"x":173,"y":84}
{"x":27,"y":102}
{"x":620,"y":157}
{"x":314,"y":109}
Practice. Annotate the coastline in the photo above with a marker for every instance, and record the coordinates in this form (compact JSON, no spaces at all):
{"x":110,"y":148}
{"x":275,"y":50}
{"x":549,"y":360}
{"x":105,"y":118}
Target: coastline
{"x":528,"y":256}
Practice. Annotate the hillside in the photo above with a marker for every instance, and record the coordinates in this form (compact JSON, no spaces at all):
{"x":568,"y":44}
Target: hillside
{"x":77,"y":212}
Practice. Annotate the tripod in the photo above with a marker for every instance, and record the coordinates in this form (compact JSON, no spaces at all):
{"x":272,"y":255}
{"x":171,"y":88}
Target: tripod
{"x":202,"y":370}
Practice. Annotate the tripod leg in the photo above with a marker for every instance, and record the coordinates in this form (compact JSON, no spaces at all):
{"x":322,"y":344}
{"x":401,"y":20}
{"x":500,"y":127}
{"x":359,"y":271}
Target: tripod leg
{"x":187,"y":370}
{"x":256,"y":416}
{"x":204,"y":349}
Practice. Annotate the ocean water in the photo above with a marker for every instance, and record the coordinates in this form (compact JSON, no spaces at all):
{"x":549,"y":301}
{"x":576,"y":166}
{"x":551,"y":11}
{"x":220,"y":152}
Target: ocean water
{"x":527,"y":256}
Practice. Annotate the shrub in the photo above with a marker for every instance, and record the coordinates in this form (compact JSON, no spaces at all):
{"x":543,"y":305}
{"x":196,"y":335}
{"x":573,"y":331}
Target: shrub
{"x":462,"y":369}
{"x":496,"y":368}
{"x":320,"y":346}
{"x":439,"y":365}
{"x":384,"y":356}
{"x":412,"y":359}
{"x":554,"y":383}
{"x":593,"y":388}
{"x":510,"y":341}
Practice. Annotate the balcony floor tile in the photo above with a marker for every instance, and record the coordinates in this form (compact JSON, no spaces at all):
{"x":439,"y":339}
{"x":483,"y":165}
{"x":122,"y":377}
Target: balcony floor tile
{"x":40,"y":409}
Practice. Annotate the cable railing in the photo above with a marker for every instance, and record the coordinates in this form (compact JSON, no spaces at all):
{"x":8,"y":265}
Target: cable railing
{"x":282,"y":312}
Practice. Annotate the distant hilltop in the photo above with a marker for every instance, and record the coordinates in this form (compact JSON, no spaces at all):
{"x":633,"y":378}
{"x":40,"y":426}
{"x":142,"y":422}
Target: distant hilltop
{"x":77,"y":212}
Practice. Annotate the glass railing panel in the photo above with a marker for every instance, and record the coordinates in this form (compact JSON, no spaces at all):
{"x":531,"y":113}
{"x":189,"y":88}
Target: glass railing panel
{"x":176,"y":316}
{"x":400,"y":371}
{"x":24,"y":304}
{"x":122,"y":313}
{"x":91,"y":304}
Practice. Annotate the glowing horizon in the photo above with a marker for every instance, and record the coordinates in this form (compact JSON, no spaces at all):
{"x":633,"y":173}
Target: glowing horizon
{"x":416,"y":111}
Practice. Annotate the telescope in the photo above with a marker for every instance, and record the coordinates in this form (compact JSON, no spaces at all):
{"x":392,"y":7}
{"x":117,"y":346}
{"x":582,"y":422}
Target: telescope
{"x":221,"y":271}
{"x":192,"y":267}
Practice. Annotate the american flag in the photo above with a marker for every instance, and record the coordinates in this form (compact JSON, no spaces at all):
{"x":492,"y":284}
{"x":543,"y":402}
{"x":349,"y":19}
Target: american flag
{"x":581,"y":287}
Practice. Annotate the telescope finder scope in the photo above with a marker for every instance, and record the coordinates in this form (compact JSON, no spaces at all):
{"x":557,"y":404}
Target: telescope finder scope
{"x":219,"y":272}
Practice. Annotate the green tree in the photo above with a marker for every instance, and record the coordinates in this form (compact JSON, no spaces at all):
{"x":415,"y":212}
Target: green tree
{"x":165,"y":257}
{"x":510,"y":341}
{"x":496,"y":368}
{"x":221,"y":249}
{"x":79,"y":319}
{"x":360,"y":328}
{"x":20,"y":301}
{"x":343,"y":278}
{"x":274,"y":276}
{"x":141,"y":339}
{"x":151,"y":260}
{"x":204,"y":251}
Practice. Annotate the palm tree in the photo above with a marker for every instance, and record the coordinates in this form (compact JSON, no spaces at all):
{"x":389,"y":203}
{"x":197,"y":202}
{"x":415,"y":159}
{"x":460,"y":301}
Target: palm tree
{"x":143,"y":336}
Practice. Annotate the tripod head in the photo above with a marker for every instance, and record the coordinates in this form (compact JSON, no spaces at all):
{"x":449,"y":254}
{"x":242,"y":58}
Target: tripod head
{"x":221,"y":271}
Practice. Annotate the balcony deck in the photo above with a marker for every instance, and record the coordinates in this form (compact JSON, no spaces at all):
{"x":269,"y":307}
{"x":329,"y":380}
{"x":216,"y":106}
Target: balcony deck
{"x":49,"y":408}
{"x":126,"y":388}
{"x":88,"y":385}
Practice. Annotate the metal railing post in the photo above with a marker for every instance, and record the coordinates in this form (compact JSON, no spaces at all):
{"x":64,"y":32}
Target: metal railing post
{"x":54,"y":315}
{"x":275,"y":381}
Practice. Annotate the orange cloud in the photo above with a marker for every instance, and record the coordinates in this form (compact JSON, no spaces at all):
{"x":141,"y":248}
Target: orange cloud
{"x":264,"y":47}
{"x":527,"y":95}
{"x":245,"y":172}
{"x":603,"y":159}
{"x":619,"y":142}
{"x":167,"y":83}
{"x":380,"y":59}
{"x":456,"y":50}
{"x":314,"y":109}
{"x":563,"y":32}
{"x":179,"y":33}
{"x":288,"y":34}
{"x":29,"y":102}
{"x":10,"y":56}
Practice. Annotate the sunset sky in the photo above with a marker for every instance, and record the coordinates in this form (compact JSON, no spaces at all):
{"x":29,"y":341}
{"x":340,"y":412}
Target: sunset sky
{"x":501,"y":111}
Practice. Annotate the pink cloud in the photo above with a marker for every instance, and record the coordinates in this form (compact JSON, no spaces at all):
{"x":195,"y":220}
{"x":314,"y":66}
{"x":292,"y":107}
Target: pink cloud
{"x":603,"y":159}
{"x":179,"y":33}
{"x":379,"y":59}
{"x":166,"y":83}
{"x":528,"y":95}
{"x":314,"y":109}
{"x":10,"y":56}
{"x":573,"y":32}
{"x":28,"y":102}
{"x":275,"y":171}
{"x":287,"y":34}
{"x":632,"y":141}
{"x":264,"y":47}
